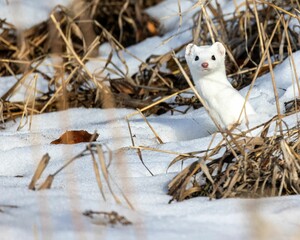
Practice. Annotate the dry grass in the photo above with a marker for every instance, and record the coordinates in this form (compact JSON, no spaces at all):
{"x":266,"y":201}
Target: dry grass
{"x":268,"y":165}
{"x":249,"y":32}
{"x":100,"y":166}
{"x":70,"y":37}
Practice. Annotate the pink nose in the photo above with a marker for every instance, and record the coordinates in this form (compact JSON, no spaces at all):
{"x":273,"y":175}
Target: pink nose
{"x":204,"y":65}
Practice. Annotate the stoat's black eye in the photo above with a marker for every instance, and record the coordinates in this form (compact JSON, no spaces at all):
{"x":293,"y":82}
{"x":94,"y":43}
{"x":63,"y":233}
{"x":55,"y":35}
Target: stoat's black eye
{"x":213,"y":57}
{"x":196,"y":58}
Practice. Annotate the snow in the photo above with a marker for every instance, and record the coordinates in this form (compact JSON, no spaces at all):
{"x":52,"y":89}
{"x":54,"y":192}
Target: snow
{"x":57,"y":213}
{"x":26,"y":13}
{"x":171,"y":17}
{"x":294,"y":25}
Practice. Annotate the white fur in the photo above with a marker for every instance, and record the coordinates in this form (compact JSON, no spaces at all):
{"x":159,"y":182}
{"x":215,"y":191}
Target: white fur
{"x":224,"y":102}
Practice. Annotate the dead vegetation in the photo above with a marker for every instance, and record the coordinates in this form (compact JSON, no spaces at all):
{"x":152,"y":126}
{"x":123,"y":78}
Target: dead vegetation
{"x":107,"y":218}
{"x":71,"y":37}
{"x":100,"y":162}
{"x":268,"y":165}
{"x":257,"y":36}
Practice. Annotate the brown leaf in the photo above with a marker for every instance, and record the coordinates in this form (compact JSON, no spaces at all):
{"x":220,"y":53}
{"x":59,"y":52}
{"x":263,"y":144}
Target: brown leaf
{"x":73,"y":137}
{"x":152,"y":28}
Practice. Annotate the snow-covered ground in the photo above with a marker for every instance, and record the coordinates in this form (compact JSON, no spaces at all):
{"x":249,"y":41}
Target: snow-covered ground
{"x":26,"y":13}
{"x":58,"y":213}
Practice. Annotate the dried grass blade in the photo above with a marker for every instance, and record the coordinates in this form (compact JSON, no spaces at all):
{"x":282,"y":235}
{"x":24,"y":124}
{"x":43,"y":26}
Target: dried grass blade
{"x":139,"y":153}
{"x":282,"y":184}
{"x":123,"y":194}
{"x":33,"y":100}
{"x":105,"y":172}
{"x":130,"y":131}
{"x":156,"y":103}
{"x":158,"y":150}
{"x":97,"y":174}
{"x":209,"y":25}
{"x":183,"y":157}
{"x":232,"y":183}
{"x":273,"y":79}
{"x":180,"y":14}
{"x":125,"y":6}
{"x":48,"y":183}
{"x":275,"y":175}
{"x":206,"y":171}
{"x":191,"y":191}
{"x":39,"y":170}
{"x":150,"y":126}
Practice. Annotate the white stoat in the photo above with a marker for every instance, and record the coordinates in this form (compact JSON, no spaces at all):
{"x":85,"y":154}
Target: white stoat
{"x":207,"y":66}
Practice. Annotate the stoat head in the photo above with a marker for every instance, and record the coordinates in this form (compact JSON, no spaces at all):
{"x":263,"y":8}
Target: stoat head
{"x":203,"y":60}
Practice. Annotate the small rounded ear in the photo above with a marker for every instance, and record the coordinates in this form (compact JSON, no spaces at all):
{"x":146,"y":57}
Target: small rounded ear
{"x":220,"y":48}
{"x":188,"y":49}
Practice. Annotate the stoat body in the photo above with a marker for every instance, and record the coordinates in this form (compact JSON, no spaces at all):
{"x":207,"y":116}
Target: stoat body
{"x":207,"y":67}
